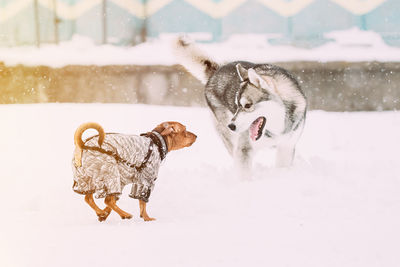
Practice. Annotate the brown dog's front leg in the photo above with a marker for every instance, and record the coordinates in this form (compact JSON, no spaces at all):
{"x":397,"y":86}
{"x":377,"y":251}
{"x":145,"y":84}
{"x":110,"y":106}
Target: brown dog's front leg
{"x":112,"y":204}
{"x":102,"y":214}
{"x":106,"y":212}
{"x":143,"y":212}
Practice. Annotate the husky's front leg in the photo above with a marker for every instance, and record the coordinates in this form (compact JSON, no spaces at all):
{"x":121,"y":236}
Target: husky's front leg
{"x":243,"y":157}
{"x":284,"y":155}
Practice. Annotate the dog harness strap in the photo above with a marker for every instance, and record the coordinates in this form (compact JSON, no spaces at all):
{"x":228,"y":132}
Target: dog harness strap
{"x":146,"y":159}
{"x":119,"y":159}
{"x":159,"y":142}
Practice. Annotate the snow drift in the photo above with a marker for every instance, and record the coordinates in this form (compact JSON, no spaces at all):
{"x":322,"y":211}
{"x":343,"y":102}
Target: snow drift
{"x":337,"y":206}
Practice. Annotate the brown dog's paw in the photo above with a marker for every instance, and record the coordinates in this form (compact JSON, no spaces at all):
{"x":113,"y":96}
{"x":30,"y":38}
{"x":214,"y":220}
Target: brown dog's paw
{"x":103,"y":216}
{"x":147,"y":218}
{"x":126,"y":216}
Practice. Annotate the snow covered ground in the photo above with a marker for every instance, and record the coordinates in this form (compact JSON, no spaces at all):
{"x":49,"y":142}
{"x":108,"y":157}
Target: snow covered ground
{"x":347,"y":45}
{"x":339,"y":205}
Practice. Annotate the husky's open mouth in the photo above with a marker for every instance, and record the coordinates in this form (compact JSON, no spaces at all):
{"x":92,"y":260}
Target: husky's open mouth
{"x":256,"y":128}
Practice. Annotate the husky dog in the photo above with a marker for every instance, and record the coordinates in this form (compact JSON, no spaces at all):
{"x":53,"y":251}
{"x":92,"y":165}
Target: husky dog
{"x":255,"y":106}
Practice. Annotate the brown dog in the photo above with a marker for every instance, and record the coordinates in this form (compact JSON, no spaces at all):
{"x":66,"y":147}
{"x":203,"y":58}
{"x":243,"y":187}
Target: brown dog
{"x":105,"y":163}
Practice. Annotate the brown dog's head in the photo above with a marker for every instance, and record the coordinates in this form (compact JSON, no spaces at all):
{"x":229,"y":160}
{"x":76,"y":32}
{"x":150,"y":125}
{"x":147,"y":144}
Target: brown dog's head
{"x":175,"y":135}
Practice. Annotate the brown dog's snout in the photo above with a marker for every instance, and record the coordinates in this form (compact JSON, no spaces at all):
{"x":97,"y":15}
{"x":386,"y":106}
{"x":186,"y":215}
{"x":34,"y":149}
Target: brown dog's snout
{"x":188,"y":139}
{"x":194,"y":137}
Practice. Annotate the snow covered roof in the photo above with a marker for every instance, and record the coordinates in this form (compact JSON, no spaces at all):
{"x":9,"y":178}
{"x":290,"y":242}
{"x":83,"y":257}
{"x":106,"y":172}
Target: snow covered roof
{"x":348,"y":45}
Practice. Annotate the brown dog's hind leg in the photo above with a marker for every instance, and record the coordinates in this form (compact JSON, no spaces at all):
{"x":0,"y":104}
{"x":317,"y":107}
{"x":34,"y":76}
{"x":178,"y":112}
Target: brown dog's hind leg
{"x":143,"y":212}
{"x":102,"y":214}
{"x":112,"y":204}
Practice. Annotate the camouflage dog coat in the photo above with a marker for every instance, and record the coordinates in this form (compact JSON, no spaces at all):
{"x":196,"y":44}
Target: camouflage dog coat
{"x":121,"y":160}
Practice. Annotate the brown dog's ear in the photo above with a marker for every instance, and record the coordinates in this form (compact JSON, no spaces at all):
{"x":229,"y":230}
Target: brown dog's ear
{"x":168,"y":129}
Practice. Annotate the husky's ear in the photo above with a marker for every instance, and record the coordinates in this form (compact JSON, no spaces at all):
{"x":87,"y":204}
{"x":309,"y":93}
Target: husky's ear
{"x":259,"y":81}
{"x":242,"y":72}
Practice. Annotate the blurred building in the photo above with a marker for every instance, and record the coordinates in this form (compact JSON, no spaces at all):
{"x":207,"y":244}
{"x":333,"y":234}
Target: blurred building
{"x":128,"y":22}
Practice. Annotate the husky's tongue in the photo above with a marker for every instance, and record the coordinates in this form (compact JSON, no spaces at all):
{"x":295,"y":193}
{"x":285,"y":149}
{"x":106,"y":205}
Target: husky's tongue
{"x":256,"y":128}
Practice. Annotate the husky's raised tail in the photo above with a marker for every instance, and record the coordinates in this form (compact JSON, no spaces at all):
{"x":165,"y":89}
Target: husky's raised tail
{"x":194,"y":59}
